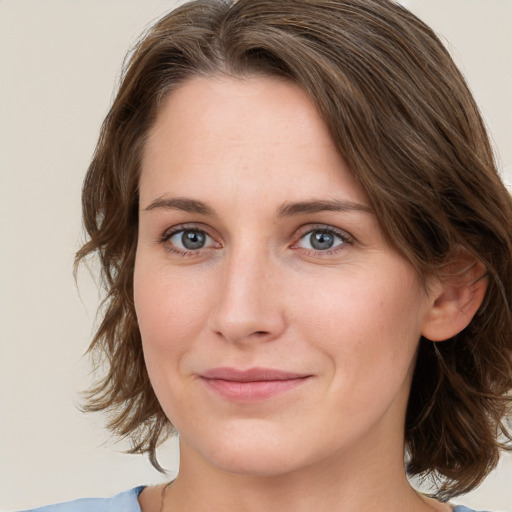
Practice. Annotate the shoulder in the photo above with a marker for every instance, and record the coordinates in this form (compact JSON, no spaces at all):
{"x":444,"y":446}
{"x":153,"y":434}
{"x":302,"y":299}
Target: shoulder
{"x":462,"y":508}
{"x":123,"y":502}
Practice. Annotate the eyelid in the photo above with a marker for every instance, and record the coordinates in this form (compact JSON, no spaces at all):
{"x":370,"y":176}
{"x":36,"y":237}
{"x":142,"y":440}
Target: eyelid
{"x":192,"y":226}
{"x":310,"y":228}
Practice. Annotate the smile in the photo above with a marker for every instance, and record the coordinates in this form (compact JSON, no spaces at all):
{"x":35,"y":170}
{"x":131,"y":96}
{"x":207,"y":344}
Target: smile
{"x":251,"y":385}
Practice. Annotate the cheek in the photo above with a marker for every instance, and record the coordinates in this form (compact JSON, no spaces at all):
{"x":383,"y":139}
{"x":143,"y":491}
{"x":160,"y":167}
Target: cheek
{"x":368,"y":326}
{"x":168,"y":305}
{"x":170,"y":312}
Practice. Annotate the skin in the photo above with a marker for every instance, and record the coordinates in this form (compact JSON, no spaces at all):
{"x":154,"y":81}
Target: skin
{"x":259,"y":294}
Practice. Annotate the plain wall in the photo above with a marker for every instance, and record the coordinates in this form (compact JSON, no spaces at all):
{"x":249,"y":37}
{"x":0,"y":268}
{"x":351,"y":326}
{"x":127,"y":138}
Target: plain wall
{"x":59,"y":61}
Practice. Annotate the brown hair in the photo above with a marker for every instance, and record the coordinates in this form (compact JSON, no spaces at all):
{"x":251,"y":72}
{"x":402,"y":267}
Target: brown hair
{"x":402,"y":116}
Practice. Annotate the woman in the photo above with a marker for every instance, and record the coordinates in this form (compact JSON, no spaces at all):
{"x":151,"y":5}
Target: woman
{"x":307,"y":252}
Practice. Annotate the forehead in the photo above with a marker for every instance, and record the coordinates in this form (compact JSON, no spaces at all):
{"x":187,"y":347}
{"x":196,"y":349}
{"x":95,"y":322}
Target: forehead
{"x":224,"y":129}
{"x":204,"y":111}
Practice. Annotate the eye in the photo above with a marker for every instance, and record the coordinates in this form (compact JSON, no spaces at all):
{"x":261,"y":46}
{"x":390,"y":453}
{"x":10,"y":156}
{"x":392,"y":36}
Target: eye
{"x":187,"y":240}
{"x":322,"y":239}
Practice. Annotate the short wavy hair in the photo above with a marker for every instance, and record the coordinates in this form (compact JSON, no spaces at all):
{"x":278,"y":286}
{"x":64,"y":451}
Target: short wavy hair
{"x":402,"y":116}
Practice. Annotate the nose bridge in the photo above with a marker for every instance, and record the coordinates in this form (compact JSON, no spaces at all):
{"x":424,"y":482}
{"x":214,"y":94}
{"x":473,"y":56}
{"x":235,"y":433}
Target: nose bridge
{"x":247,"y":305}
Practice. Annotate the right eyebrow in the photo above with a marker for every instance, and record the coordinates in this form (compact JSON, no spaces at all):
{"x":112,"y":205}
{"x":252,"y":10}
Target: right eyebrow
{"x":181,"y":203}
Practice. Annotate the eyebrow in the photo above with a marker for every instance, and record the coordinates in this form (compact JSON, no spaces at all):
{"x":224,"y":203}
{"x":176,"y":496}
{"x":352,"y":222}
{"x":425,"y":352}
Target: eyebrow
{"x":304,"y":207}
{"x":285,"y":210}
{"x":181,"y":203}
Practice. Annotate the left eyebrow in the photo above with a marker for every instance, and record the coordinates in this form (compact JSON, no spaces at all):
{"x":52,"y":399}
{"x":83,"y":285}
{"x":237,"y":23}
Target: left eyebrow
{"x":304,"y":207}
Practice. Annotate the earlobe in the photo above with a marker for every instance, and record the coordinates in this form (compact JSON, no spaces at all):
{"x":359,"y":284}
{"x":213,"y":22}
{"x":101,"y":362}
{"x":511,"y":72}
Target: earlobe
{"x":455,"y":299}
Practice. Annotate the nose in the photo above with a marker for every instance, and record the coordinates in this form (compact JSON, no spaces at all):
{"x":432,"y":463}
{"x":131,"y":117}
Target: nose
{"x":248,"y":306}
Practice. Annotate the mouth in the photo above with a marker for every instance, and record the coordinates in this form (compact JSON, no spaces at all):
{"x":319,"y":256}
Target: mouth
{"x":254,"y":384}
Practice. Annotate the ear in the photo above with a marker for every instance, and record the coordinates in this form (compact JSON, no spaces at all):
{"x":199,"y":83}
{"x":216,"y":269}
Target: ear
{"x":455,"y":296}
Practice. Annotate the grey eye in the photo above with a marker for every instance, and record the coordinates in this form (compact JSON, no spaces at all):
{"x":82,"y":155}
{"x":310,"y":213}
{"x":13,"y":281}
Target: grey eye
{"x":189,"y":239}
{"x":321,"y":240}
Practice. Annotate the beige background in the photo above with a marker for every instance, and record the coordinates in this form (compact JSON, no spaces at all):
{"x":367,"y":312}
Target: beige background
{"x":59,"y":60}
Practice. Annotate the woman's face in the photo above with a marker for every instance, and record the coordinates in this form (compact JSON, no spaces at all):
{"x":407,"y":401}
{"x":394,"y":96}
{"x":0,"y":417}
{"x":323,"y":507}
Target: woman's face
{"x":279,"y":328}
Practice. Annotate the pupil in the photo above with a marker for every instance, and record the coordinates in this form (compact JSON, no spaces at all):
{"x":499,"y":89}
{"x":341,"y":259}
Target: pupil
{"x":193,"y":239}
{"x":320,"y":240}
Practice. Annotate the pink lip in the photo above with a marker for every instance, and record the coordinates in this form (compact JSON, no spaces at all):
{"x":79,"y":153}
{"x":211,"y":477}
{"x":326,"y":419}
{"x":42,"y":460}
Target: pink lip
{"x":250,"y":385}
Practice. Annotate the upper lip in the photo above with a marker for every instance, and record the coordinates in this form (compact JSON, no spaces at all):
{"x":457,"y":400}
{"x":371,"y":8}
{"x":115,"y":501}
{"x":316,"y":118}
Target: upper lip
{"x":251,"y":374}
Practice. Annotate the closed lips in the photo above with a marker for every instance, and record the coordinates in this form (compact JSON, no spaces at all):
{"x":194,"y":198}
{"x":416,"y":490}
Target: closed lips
{"x":251,"y":375}
{"x":253,"y":385}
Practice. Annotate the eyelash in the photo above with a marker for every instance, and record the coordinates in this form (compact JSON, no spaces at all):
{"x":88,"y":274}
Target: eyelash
{"x":343,"y":237}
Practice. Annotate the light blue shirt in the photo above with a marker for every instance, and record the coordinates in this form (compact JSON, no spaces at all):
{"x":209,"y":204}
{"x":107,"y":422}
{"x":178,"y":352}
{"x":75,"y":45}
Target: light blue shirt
{"x":124,"y":502}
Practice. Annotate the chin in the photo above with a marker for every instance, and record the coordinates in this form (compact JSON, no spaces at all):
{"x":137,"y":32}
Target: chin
{"x":253,"y":452}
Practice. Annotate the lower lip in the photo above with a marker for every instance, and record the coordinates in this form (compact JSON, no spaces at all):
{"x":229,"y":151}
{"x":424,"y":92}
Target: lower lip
{"x":253,"y":391}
